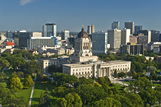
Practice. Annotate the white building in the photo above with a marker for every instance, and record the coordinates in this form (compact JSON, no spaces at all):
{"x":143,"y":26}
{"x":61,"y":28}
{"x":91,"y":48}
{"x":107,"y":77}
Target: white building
{"x":36,"y":34}
{"x":64,"y":34}
{"x":125,"y":34}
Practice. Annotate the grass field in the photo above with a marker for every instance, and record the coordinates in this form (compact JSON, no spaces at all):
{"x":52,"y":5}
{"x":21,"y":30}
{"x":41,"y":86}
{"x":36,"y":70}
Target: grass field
{"x":25,"y":94}
{"x":40,"y":87}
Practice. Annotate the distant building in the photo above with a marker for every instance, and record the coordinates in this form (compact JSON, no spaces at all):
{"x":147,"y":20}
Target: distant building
{"x":36,"y":34}
{"x":132,"y":49}
{"x":99,"y":42}
{"x":155,"y":46}
{"x":155,"y":36}
{"x":38,"y":42}
{"x":146,"y":33}
{"x":9,"y":34}
{"x":115,"y":25}
{"x":49,"y":29}
{"x":125,"y":33}
{"x":138,"y":28}
{"x":20,"y":38}
{"x":130,"y":25}
{"x":65,"y":35}
{"x":92,"y":29}
{"x":114,"y":38}
{"x":89,"y":29}
{"x":133,"y":39}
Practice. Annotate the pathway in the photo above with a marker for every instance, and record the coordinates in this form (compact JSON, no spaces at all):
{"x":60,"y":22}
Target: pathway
{"x":32,"y":92}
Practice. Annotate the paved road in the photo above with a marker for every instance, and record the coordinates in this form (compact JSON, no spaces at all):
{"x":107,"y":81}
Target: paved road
{"x":32,"y":92}
{"x":118,"y":81}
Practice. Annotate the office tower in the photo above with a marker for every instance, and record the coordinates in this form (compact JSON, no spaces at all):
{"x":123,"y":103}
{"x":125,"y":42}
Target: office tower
{"x":20,"y":38}
{"x":125,"y":33}
{"x":36,"y":34}
{"x":89,"y":29}
{"x":133,"y":39}
{"x":9,"y":34}
{"x":130,"y":25}
{"x":65,"y":34}
{"x":155,"y":36}
{"x":114,"y":38}
{"x":138,"y":28}
{"x":115,"y":25}
{"x":146,"y":33}
{"x":39,"y":42}
{"x":49,"y":29}
{"x":92,"y":29}
{"x":99,"y":42}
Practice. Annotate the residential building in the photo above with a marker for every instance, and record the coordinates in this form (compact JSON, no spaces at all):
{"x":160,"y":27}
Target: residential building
{"x":101,"y":39}
{"x":130,"y":25}
{"x":49,"y":29}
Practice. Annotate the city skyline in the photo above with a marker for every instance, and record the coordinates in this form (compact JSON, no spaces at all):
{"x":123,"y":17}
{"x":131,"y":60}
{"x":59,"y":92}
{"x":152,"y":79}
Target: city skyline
{"x":31,"y":15}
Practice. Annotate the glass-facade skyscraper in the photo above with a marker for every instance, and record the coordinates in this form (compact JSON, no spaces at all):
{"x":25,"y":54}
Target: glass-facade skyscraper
{"x":49,"y":29}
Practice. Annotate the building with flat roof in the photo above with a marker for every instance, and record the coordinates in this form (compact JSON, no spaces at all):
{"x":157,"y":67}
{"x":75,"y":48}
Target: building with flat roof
{"x":49,"y":29}
{"x":114,"y":39}
{"x":130,"y":25}
{"x":101,"y":39}
{"x":115,"y":25}
{"x":125,"y":34}
{"x":38,"y":42}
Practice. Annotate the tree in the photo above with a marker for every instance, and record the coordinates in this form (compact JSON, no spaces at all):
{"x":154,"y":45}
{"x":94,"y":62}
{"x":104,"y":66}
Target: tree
{"x":61,"y":102}
{"x":121,"y":74}
{"x":3,"y":63}
{"x":107,"y":102}
{"x":14,"y":82}
{"x":46,"y":98}
{"x":73,"y":100}
{"x":41,"y":103}
{"x":28,"y":81}
{"x":115,"y":74}
{"x":54,"y":69}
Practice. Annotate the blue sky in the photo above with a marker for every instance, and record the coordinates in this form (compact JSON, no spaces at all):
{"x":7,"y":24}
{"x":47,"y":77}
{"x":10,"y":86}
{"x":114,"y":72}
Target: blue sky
{"x":71,"y":14}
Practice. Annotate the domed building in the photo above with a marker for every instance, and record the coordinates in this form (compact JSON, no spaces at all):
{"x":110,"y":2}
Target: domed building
{"x":83,"y":50}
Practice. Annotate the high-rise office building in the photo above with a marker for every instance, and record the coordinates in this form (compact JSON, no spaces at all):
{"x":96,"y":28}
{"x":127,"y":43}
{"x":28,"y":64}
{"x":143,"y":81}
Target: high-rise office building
{"x":65,"y":34}
{"x":49,"y":29}
{"x":146,"y":33}
{"x":130,"y":25}
{"x":115,"y":25}
{"x":138,"y":28}
{"x":125,"y":34}
{"x":92,"y":29}
{"x":114,"y":38}
{"x":89,"y":29}
{"x":101,"y":39}
{"x":155,"y":36}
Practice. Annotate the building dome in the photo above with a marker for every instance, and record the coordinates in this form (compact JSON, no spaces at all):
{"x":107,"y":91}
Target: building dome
{"x":83,"y":34}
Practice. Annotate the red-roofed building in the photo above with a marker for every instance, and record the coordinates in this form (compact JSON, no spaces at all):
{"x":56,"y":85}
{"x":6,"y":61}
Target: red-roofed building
{"x":9,"y":43}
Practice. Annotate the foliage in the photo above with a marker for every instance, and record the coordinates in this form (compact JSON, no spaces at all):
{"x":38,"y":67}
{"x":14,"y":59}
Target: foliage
{"x":14,"y":82}
{"x":54,"y":69}
{"x":28,"y":81}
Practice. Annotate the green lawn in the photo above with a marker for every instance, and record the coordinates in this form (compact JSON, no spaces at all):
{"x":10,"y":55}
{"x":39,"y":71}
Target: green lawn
{"x":119,"y":87}
{"x":25,"y":94}
{"x":40,"y":87}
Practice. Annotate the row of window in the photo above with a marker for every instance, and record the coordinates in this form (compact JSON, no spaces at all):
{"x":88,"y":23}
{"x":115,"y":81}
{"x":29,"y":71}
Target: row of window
{"x":82,"y":69}
{"x":120,"y":65}
{"x":52,"y":63}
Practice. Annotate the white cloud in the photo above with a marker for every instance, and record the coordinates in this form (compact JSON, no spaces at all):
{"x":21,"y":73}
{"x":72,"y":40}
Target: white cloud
{"x":24,"y":2}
